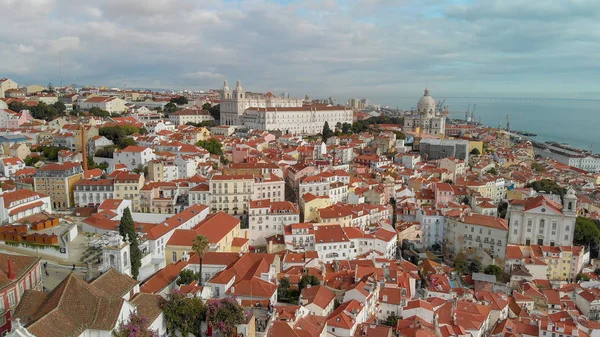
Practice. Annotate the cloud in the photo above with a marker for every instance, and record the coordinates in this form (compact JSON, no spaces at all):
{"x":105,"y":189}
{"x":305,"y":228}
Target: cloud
{"x":25,"y":49}
{"x":93,"y":11}
{"x":374,"y":48}
{"x":203,"y":75}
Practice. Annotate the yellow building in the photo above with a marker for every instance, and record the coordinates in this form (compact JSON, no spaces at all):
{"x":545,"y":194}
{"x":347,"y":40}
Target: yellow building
{"x":475,"y":144}
{"x":221,"y":229}
{"x":311,"y":206}
{"x":231,"y":193}
{"x":58,"y":182}
{"x":127,"y":186}
{"x":564,"y":262}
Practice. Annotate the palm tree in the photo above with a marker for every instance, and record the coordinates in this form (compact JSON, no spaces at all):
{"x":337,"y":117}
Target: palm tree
{"x":394,"y":215}
{"x":199,"y":246}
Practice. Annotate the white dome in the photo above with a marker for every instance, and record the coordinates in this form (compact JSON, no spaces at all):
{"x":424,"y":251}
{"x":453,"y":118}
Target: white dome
{"x":426,"y":104}
{"x":3,"y":105}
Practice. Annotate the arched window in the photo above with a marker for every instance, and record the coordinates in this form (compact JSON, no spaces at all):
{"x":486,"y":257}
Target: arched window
{"x":570,"y":206}
{"x":112,"y":260}
{"x":542,"y":222}
{"x":125,"y":262}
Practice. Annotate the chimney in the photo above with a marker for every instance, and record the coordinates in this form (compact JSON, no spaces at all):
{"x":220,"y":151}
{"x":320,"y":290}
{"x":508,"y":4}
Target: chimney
{"x":83,"y":147}
{"x":11,"y":273}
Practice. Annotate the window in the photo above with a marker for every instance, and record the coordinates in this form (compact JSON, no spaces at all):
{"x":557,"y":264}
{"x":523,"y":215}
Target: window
{"x":11,"y":298}
{"x":174,"y":256}
{"x":515,"y":231}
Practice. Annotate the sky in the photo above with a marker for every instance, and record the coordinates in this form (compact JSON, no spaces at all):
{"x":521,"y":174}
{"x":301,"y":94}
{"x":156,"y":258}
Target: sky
{"x":379,"y":49}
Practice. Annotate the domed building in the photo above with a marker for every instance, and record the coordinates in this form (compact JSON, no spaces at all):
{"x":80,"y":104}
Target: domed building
{"x":427,"y":117}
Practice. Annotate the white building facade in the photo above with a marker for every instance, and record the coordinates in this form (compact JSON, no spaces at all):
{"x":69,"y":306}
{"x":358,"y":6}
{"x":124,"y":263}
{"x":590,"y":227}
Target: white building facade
{"x":234,"y":104}
{"x":542,"y":221}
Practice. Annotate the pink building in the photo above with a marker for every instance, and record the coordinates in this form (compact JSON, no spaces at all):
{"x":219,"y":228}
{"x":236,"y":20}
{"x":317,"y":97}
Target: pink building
{"x":17,"y":274}
{"x":443,"y":193}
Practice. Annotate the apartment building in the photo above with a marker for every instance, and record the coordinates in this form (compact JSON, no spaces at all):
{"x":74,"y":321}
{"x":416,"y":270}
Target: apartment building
{"x":556,"y":263}
{"x":162,"y":170}
{"x":190,"y":116}
{"x":22,"y":203}
{"x":268,"y":186}
{"x":8,"y":166}
{"x":472,"y":231}
{"x":268,"y":218}
{"x":128,"y":186}
{"x":58,"y":182}
{"x":231,"y":193}
{"x":220,"y":229}
{"x":134,"y":156}
{"x":93,"y":192}
{"x":110,"y":104}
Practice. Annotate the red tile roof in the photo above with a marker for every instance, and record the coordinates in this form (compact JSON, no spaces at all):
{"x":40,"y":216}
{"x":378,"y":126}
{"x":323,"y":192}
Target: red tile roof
{"x":159,"y":281}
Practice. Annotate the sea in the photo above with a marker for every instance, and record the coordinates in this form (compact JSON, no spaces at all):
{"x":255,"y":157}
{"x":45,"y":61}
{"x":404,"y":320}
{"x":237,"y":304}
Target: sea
{"x":572,"y":121}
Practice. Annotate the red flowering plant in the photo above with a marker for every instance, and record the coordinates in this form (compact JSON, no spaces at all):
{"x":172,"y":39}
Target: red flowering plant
{"x":137,"y":326}
{"x":225,"y":315}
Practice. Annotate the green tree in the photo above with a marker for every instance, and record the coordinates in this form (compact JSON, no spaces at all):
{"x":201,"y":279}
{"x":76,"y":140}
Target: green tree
{"x":548,"y":186}
{"x":436,"y":247}
{"x":30,"y":161}
{"x":119,"y":134}
{"x":597,"y":271}
{"x":394,"y":205}
{"x":170,"y":107}
{"x":283,"y":289}
{"x":215,"y":112}
{"x":474,"y":266}
{"x":17,"y":106}
{"x":40,"y":111}
{"x":95,"y":111}
{"x":181,"y":100}
{"x":60,"y":107}
{"x":200,"y":245}
{"x":582,"y":277}
{"x":326,"y":133}
{"x":105,"y":152}
{"x":494,"y":270}
{"x":212,"y":145}
{"x":225,"y":315}
{"x":460,"y":263}
{"x":475,"y":152}
{"x":346,"y":128}
{"x":586,"y":232}
{"x":492,"y":171}
{"x":137,"y":326}
{"x":186,"y":276}
{"x":183,"y":314}
{"x":391,"y":320}
{"x":141,"y":169}
{"x":449,"y":181}
{"x":50,"y":152}
{"x":125,"y":142}
{"x":308,"y":280}
{"x":127,"y":230}
{"x":537,"y":167}
{"x":502,"y":209}
{"x":399,"y":134}
{"x":206,"y":106}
